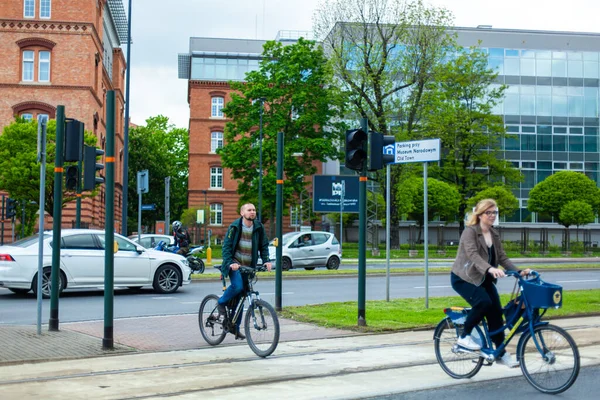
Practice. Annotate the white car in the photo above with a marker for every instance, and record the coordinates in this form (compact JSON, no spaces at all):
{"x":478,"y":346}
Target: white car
{"x":82,"y":264}
{"x":151,"y":240}
{"x":308,"y":250}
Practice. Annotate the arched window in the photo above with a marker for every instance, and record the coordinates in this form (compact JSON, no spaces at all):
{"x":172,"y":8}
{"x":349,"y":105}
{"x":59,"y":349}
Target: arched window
{"x":216,"y":214}
{"x":35,"y":59}
{"x":216,"y":141}
{"x":217,"y":107}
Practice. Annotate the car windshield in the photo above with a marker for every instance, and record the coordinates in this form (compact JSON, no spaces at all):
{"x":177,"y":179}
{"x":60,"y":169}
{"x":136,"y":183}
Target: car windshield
{"x":287,"y":238}
{"x":29,"y":240}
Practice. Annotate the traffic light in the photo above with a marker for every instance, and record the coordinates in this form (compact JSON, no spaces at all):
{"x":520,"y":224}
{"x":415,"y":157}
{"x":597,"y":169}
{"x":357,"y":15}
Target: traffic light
{"x":11,"y":208}
{"x":73,"y":140}
{"x":377,"y":142}
{"x":356,"y":149}
{"x":71,"y":176}
{"x":90,"y":180}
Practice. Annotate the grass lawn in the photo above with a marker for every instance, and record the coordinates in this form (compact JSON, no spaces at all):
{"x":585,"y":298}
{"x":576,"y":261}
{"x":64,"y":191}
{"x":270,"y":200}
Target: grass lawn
{"x":407,"y":314}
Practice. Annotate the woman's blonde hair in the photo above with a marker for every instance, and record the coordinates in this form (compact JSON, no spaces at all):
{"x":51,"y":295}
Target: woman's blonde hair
{"x":480,"y":209}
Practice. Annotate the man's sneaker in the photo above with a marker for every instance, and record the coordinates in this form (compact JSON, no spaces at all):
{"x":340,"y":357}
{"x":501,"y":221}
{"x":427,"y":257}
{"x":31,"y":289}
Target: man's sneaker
{"x":468,"y":343}
{"x":507,"y":360}
{"x":239,"y":335}
{"x":221,"y":308}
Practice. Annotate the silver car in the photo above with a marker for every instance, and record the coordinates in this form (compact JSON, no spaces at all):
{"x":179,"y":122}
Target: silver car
{"x":308,"y":250}
{"x":150,"y":240}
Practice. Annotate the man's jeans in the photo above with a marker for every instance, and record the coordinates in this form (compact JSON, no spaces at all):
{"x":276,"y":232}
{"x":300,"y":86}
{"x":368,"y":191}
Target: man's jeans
{"x":235,"y":288}
{"x":484,"y":301}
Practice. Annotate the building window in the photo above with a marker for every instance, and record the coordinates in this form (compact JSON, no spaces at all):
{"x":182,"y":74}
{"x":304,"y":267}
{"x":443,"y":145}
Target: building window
{"x":45,"y":8}
{"x":216,"y":214}
{"x":294,"y":216}
{"x":216,"y":177}
{"x":27,"y":117}
{"x":44,"y":66}
{"x":28,"y":66}
{"x":217,"y":107}
{"x":29,"y":8}
{"x":216,"y":141}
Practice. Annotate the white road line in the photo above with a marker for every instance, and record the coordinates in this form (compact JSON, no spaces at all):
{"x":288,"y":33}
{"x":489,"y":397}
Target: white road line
{"x":190,"y":302}
{"x":581,"y":281}
{"x":273,"y":294}
{"x":432,"y":287}
{"x":163,"y":298}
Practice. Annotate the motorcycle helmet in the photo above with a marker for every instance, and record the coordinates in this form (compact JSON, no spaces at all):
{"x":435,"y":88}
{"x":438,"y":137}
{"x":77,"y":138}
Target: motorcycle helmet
{"x":176,"y":225}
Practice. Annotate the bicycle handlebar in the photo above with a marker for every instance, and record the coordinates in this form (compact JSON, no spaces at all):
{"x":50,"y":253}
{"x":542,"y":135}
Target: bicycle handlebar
{"x":517,"y":274}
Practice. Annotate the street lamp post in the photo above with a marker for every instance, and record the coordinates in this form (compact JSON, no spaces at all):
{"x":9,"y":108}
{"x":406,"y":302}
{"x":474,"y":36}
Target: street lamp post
{"x":126,"y":131}
{"x":260,"y":168}
{"x":205,"y":217}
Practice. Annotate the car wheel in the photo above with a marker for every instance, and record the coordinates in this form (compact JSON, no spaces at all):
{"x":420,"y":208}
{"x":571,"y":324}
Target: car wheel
{"x":167,"y":279}
{"x":47,"y":283}
{"x":286,"y":264}
{"x":309,"y":268}
{"x":333,"y":263}
{"x":19,"y":291}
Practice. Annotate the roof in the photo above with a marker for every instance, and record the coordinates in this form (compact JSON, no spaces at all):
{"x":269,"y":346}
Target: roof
{"x":117,"y":11}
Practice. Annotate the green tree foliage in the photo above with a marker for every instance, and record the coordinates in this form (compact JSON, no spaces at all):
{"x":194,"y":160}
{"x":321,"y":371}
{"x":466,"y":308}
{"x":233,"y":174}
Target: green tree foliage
{"x":506,"y":200}
{"x":162,"y":149}
{"x":557,"y":190}
{"x":20,"y":169}
{"x":576,"y":213}
{"x":291,"y":80}
{"x":442,"y":199}
{"x":459,"y":111}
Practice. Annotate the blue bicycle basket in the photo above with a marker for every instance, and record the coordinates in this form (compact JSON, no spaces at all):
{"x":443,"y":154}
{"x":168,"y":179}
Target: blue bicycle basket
{"x":540,"y":294}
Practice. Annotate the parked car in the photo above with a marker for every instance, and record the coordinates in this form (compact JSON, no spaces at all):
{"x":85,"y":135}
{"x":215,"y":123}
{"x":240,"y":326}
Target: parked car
{"x":308,"y":250}
{"x":150,"y":240}
{"x":82,"y":264}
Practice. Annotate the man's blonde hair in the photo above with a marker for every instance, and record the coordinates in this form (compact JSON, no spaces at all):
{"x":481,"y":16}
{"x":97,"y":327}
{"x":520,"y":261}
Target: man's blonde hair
{"x":243,"y":207}
{"x":480,"y":209}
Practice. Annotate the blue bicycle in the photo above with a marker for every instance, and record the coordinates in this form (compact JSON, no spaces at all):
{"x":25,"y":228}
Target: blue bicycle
{"x":547,"y":354}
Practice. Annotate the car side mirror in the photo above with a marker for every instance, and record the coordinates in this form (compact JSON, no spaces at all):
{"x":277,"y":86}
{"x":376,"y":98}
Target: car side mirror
{"x":139,"y":249}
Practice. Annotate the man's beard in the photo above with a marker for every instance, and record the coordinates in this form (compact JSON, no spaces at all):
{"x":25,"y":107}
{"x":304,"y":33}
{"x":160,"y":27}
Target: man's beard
{"x":250,"y":218}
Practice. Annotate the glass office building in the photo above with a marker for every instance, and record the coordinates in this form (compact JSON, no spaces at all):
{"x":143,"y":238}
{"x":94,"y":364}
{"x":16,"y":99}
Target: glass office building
{"x":551,"y":106}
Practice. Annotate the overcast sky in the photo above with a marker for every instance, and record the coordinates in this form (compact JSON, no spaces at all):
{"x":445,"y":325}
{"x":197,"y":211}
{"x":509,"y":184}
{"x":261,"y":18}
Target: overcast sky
{"x":161,"y":30}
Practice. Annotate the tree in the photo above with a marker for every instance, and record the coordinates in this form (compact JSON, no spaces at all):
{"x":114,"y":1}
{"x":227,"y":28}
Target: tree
{"x":442,"y":200}
{"x":577,"y":213}
{"x":162,"y":149}
{"x":383,"y":54}
{"x":459,"y":109}
{"x":20,"y":170}
{"x":506,"y":200}
{"x":556,"y":191}
{"x":291,"y":83}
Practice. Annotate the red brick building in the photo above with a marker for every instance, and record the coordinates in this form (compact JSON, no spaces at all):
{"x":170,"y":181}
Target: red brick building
{"x":66,"y":52}
{"x":210,"y":64}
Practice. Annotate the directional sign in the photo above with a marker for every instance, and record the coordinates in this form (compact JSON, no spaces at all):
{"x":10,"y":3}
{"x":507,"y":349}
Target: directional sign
{"x":415,"y":151}
{"x":148,"y":207}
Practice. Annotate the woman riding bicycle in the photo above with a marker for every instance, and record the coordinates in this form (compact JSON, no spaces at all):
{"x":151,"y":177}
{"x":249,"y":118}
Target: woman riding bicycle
{"x":475,"y":272}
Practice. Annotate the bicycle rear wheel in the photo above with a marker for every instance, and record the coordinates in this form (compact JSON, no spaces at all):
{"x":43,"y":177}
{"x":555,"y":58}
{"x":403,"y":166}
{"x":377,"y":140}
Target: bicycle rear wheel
{"x":262,"y":328}
{"x":455,"y":361}
{"x":211,"y":324}
{"x":557,"y":368}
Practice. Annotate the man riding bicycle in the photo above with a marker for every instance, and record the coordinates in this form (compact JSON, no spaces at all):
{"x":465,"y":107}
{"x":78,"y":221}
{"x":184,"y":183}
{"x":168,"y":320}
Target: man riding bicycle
{"x":245,"y":239}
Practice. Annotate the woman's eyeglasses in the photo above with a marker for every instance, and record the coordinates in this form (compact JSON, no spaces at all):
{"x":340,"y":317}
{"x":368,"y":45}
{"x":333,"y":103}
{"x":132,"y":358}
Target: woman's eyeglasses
{"x":490,"y":213}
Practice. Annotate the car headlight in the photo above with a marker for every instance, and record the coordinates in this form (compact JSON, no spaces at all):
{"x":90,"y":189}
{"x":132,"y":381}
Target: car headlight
{"x":186,"y":262}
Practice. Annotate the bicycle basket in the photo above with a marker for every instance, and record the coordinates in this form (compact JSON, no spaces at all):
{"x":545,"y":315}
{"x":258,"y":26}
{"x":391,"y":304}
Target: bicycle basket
{"x":540,"y":294}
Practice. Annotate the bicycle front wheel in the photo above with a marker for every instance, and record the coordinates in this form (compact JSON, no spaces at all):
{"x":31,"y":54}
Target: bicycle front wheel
{"x":556,"y":367}
{"x":211,"y":324}
{"x":262,"y":328}
{"x":454,"y":360}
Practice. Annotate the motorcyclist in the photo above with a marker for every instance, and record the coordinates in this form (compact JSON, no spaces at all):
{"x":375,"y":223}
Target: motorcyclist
{"x":182,"y":238}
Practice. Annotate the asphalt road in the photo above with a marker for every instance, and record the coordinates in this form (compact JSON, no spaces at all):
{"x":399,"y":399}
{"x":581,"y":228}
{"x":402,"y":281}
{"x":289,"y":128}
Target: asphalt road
{"x":509,"y":388}
{"x":89,"y":305}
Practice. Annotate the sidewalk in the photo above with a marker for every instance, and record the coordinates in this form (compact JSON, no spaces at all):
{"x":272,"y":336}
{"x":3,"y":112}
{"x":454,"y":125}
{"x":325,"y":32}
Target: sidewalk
{"x":309,"y":363}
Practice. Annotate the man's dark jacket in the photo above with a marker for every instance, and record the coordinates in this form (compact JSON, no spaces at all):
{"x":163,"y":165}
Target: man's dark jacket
{"x":260,"y":243}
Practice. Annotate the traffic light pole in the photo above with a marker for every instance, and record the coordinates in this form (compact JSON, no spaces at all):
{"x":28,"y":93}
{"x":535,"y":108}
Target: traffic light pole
{"x":78,"y":204}
{"x":2,"y":230}
{"x":57,"y":217}
{"x":279,"y":212}
{"x":109,"y":232}
{"x":362,"y":230}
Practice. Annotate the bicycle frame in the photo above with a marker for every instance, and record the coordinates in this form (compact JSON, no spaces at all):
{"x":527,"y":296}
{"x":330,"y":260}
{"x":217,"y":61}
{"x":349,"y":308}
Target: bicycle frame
{"x":248,"y":295}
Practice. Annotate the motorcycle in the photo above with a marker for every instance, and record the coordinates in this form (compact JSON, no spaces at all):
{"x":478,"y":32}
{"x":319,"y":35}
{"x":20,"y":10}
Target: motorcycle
{"x":196,"y":264}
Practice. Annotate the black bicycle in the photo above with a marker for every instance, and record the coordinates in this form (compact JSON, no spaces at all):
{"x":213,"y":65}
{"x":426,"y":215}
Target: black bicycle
{"x":261,"y":324}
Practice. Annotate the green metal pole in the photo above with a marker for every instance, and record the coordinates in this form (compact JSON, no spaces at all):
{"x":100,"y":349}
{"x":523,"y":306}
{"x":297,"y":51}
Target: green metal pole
{"x":78,"y":204}
{"x":279,"y":217}
{"x":362,"y":235}
{"x":57,"y":217}
{"x":109,"y":232}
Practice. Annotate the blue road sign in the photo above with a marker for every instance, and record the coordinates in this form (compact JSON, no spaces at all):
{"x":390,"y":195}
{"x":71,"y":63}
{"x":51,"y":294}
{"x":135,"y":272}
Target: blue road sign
{"x":328,"y":190}
{"x":148,"y":207}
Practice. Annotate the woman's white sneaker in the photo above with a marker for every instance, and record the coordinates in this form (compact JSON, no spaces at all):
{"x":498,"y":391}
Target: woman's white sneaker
{"x":468,"y":343}
{"x":507,"y":360}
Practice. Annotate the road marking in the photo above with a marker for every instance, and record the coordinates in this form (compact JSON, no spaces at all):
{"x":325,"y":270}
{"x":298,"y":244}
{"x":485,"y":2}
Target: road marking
{"x":163,"y":298}
{"x":581,"y":281}
{"x":190,"y":302}
{"x":434,"y":287}
{"x":273,"y":294}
